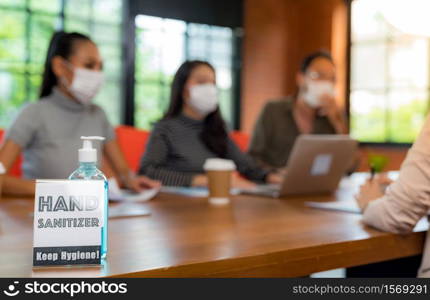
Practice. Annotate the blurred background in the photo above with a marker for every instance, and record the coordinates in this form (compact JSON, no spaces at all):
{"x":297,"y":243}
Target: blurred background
{"x":158,"y":45}
{"x":381,"y":49}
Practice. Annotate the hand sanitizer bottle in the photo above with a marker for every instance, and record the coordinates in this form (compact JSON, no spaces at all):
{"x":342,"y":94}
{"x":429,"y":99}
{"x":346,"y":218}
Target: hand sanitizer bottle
{"x":88,"y":171}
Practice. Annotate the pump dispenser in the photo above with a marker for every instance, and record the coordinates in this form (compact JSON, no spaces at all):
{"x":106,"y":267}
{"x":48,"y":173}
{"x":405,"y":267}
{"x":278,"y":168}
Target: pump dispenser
{"x":87,"y":153}
{"x":88,"y":171}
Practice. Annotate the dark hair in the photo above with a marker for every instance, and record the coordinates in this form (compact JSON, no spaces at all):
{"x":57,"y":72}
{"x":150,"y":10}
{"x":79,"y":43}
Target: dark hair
{"x":61,"y":44}
{"x":307,"y":61}
{"x":214,"y":134}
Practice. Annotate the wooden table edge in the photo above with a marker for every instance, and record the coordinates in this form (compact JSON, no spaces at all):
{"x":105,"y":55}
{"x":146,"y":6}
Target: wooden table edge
{"x":296,"y":262}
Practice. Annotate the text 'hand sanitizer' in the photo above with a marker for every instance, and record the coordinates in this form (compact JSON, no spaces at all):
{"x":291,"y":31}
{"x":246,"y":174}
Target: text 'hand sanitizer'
{"x":88,"y":171}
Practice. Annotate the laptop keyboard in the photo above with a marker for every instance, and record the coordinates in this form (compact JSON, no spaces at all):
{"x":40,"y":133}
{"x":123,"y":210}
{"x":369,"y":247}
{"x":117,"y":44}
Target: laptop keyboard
{"x":268,"y":187}
{"x":270,"y":190}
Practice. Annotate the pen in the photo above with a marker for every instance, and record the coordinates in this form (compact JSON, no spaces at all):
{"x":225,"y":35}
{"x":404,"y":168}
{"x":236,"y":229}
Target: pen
{"x":372,"y":172}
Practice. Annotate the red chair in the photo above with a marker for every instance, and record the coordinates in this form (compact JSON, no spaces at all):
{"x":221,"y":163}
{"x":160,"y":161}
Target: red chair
{"x":241,"y":139}
{"x":132,"y":143}
{"x":16,"y":169}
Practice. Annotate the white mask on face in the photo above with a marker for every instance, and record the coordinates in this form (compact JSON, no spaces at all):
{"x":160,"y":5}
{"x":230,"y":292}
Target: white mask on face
{"x":204,"y":98}
{"x":316,"y":90}
{"x":85,"y":85}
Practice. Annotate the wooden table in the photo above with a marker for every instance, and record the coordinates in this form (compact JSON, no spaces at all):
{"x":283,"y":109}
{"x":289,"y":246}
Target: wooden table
{"x":187,"y":237}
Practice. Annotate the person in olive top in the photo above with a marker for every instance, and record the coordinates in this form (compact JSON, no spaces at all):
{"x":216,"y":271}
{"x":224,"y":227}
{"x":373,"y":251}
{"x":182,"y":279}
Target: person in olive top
{"x":313,"y":110}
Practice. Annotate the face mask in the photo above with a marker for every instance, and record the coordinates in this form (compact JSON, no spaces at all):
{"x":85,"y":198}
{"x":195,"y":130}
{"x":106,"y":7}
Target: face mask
{"x":204,"y":98}
{"x":316,"y":90}
{"x":85,"y":85}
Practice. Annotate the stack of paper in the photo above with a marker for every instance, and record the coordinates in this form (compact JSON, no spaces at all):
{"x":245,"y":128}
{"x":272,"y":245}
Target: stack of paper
{"x":117,"y":194}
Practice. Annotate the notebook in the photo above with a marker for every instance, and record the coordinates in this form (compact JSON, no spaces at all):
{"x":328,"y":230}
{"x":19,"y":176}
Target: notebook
{"x":349,"y":206}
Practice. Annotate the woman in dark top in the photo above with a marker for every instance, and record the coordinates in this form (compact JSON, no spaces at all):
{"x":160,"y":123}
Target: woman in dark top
{"x":192,"y":131}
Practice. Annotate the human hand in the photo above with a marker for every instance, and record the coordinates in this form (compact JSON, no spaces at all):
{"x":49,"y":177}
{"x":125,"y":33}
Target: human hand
{"x":241,"y":183}
{"x":199,"y":181}
{"x":369,"y":191}
{"x":330,"y":109}
{"x":383,"y":179}
{"x":139,"y":183}
{"x":274,"y":178}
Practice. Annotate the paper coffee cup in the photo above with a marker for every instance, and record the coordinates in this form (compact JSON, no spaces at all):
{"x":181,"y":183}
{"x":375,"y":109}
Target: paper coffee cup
{"x":219,"y":173}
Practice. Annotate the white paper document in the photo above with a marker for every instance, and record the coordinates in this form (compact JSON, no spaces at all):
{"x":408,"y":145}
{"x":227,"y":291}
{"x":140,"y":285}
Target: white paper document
{"x":117,"y":194}
{"x":128,"y":210}
{"x":350,"y":206}
{"x":199,"y":192}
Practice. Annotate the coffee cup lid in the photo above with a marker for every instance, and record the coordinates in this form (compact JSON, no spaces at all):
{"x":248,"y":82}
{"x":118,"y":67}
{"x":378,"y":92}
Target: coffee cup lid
{"x":219,"y":164}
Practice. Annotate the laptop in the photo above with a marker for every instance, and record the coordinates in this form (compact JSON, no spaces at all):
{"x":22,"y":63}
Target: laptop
{"x":316,"y":165}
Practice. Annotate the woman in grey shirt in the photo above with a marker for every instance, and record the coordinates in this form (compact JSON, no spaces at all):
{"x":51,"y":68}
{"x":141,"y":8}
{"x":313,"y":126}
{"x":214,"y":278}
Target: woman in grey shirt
{"x":192,"y":131}
{"x":48,"y":131}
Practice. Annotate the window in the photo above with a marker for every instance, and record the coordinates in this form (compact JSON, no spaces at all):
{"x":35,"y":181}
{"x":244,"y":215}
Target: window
{"x":390,"y":80}
{"x":162,"y":45}
{"x":26,"y":27}
{"x":101,"y":20}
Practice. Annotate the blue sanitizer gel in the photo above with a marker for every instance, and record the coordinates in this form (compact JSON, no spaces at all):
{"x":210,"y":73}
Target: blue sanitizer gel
{"x":88,"y":171}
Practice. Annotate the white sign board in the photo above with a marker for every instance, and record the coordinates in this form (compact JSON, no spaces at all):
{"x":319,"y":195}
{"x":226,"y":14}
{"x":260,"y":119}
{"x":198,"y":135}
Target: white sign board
{"x":68,"y":220}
